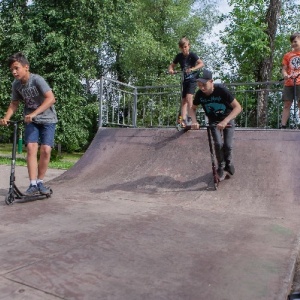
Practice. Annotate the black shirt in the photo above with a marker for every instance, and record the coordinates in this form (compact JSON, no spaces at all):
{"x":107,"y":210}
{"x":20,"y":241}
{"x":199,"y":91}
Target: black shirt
{"x":187,"y":62}
{"x":217,"y":105}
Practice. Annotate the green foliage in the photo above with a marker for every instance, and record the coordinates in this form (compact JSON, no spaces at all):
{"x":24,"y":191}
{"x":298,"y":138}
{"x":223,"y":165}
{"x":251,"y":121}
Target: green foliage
{"x":58,"y":49}
{"x":145,"y":49}
{"x":245,"y":38}
{"x":247,"y":41}
{"x":73,"y":41}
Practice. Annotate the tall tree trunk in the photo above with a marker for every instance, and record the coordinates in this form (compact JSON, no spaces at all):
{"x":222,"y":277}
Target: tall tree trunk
{"x":265,"y":73}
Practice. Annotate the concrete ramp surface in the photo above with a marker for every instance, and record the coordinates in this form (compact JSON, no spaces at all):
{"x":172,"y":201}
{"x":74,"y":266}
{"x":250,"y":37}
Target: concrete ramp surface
{"x":138,"y":218}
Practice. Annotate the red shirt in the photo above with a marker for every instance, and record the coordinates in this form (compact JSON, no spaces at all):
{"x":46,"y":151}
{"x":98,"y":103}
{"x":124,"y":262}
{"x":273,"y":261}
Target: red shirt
{"x":291,"y":60}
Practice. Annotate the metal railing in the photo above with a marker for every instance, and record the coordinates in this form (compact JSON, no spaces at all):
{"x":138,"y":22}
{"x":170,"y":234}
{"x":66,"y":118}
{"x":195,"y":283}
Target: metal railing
{"x":126,"y":105}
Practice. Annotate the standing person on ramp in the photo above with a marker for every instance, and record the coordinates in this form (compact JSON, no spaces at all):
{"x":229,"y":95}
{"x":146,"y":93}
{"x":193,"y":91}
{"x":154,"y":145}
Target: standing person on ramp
{"x":290,"y":70}
{"x":221,"y":108}
{"x":189,"y":63}
{"x":39,"y":116}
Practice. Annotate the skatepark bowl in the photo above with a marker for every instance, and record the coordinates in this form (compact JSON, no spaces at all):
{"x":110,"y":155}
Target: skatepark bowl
{"x":137,"y":218}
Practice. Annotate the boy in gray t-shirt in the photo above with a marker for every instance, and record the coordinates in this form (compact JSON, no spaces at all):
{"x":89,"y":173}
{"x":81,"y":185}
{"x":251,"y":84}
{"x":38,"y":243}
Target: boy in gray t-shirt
{"x":39,"y":116}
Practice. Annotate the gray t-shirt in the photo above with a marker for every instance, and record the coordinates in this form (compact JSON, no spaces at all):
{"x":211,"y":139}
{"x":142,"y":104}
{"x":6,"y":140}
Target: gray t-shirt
{"x":32,"y":94}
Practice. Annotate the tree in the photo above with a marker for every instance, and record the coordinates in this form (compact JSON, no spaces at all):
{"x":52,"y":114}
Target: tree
{"x":73,"y":41}
{"x":51,"y":35}
{"x":251,"y":39}
{"x":142,"y":50}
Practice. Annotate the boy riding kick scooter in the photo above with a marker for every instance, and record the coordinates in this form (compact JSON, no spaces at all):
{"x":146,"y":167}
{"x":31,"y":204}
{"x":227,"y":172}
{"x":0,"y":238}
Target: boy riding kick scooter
{"x":13,"y":192}
{"x":221,"y":108}
{"x":40,"y":119}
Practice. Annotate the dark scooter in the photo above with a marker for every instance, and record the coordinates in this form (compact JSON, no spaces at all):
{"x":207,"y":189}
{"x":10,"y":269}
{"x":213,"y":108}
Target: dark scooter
{"x":294,"y":125}
{"x":216,"y":177}
{"x":179,"y":124}
{"x":14,"y":193}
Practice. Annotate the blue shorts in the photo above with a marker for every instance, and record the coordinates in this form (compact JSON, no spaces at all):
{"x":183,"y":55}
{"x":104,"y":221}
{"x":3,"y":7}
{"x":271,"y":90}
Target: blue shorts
{"x":40,"y":133}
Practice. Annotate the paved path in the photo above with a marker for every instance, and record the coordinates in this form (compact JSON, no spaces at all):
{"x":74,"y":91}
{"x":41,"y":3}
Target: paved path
{"x":137,"y":218}
{"x":21,"y":176}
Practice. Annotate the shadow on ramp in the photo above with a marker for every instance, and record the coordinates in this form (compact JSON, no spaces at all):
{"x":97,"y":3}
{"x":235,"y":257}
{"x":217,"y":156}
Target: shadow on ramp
{"x":159,"y":184}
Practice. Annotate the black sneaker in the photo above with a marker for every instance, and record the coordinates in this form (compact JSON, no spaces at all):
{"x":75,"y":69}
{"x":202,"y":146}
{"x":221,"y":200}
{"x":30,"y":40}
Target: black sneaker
{"x":42,"y":189}
{"x":220,"y":172}
{"x":230,"y":169}
{"x":32,"y":190}
{"x":282,"y":126}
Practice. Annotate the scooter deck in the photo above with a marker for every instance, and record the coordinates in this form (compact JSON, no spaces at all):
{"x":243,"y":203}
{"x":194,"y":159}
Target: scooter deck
{"x":183,"y":128}
{"x":15,"y":196}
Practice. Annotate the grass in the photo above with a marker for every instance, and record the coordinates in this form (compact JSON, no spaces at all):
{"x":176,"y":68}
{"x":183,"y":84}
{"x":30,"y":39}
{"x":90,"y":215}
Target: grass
{"x":64,"y":161}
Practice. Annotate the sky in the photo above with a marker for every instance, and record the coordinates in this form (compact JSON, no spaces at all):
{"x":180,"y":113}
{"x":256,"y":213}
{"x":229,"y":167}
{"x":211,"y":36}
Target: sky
{"x":223,"y":7}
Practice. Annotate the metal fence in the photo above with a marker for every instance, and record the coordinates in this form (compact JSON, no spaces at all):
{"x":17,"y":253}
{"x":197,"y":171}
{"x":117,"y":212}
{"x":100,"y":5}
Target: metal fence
{"x":126,"y":105}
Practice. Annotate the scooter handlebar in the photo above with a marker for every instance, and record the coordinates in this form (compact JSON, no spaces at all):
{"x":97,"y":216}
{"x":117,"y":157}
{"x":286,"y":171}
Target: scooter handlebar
{"x":293,"y":77}
{"x":180,"y":72}
{"x":10,"y":122}
{"x":174,"y":72}
{"x":213,"y":126}
{"x":189,"y":127}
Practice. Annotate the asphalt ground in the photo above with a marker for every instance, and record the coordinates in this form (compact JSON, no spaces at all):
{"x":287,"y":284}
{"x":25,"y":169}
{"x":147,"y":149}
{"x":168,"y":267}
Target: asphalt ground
{"x":137,"y":217}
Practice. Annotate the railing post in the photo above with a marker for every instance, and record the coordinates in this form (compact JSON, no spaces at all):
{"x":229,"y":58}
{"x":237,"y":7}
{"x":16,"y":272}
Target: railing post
{"x":100,"y":121}
{"x":135,"y":99}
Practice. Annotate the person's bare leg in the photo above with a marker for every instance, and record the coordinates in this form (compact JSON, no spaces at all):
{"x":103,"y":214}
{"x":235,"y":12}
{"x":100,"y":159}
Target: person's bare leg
{"x":32,"y":165}
{"x":45,"y":154}
{"x":189,"y":100}
{"x":184,"y":108}
{"x":286,"y":112}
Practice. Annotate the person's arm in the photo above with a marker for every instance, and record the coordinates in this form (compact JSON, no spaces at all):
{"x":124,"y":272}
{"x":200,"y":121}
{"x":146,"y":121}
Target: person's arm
{"x":48,"y":102}
{"x":284,"y":72}
{"x":12,"y":108}
{"x":233,"y":114}
{"x":199,"y":65}
{"x":171,"y":68}
{"x":195,"y":124}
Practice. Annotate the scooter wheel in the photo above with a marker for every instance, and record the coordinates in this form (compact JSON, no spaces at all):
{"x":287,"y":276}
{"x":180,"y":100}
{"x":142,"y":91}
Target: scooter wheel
{"x":216,"y":185}
{"x":49,"y":195}
{"x":9,"y":199}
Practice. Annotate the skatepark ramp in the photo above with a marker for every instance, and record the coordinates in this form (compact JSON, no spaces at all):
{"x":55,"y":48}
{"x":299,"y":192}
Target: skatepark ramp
{"x":137,"y":218}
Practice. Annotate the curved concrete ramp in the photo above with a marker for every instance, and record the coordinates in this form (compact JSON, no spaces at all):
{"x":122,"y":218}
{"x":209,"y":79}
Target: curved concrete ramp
{"x":137,"y":218}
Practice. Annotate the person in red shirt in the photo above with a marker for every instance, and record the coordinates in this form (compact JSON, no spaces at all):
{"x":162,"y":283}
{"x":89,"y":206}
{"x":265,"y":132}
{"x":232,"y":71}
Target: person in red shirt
{"x":290,"y":69}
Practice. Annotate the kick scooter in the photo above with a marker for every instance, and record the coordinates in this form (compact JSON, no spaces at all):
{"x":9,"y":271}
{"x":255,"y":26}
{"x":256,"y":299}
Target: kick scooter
{"x":217,"y":179}
{"x":294,"y":126}
{"x":13,"y":192}
{"x":179,"y":122}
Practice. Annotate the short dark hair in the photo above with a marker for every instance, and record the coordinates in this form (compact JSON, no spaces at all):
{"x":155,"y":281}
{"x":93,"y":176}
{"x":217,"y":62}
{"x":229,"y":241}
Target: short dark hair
{"x":183,"y":41}
{"x":294,"y":35}
{"x":19,"y":57}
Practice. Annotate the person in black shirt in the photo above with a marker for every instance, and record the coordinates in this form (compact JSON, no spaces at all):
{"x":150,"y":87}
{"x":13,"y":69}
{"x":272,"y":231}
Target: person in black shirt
{"x":189,"y":63}
{"x":221,"y":108}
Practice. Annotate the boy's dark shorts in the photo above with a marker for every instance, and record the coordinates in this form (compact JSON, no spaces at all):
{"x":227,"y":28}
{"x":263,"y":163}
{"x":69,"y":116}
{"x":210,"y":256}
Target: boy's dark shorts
{"x":188,"y":87}
{"x":40,"y":133}
{"x":288,"y":93}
